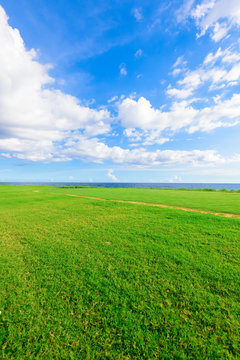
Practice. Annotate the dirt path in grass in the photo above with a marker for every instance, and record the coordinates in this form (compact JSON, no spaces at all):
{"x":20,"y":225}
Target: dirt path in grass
{"x":158,"y":205}
{"x":236,"y":216}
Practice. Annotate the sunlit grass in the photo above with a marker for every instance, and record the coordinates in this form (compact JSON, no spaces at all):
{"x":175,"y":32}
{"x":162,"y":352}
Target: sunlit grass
{"x":204,"y":200}
{"x":88,"y":279}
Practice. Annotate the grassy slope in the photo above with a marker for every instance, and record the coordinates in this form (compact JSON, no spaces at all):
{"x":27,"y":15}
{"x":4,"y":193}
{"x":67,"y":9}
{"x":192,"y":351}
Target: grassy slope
{"x":88,"y":279}
{"x":204,"y":200}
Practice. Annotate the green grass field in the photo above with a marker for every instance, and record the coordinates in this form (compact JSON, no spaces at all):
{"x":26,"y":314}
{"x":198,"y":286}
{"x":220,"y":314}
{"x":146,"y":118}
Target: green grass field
{"x":205,"y":200}
{"x":91,"y":279}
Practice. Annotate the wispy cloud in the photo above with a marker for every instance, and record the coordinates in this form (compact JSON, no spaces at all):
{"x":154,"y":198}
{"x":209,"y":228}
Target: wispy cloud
{"x":217,"y":15}
{"x":219,"y":70}
{"x":138,"y":53}
{"x":111,"y":175}
{"x":137,"y":13}
{"x":123,"y":69}
{"x":112,"y":99}
{"x":183,"y":12}
{"x":175,"y":179}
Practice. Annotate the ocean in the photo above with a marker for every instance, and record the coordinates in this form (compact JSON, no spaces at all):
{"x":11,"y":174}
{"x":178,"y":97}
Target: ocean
{"x":134,"y":185}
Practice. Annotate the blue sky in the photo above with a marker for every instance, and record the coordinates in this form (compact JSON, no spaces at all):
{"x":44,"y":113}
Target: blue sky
{"x":120,"y":91}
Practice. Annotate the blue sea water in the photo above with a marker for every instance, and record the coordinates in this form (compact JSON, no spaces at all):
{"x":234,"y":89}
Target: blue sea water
{"x":135,"y":185}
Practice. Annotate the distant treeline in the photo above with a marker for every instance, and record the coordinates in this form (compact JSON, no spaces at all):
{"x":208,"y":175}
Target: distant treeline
{"x":205,"y":189}
{"x":74,"y":187}
{"x":150,"y":188}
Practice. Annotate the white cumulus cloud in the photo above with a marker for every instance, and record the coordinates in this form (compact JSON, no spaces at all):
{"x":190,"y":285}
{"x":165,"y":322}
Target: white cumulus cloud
{"x":41,"y":123}
{"x":96,"y":151}
{"x":35,"y":118}
{"x":140,"y":114}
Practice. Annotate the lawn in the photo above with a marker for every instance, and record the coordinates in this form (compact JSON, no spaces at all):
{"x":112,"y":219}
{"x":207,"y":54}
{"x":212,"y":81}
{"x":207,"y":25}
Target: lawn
{"x":90,"y":279}
{"x":205,"y":200}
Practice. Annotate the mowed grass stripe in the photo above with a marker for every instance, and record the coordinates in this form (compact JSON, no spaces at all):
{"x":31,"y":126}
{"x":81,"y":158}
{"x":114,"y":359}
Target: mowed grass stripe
{"x":86,"y":279}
